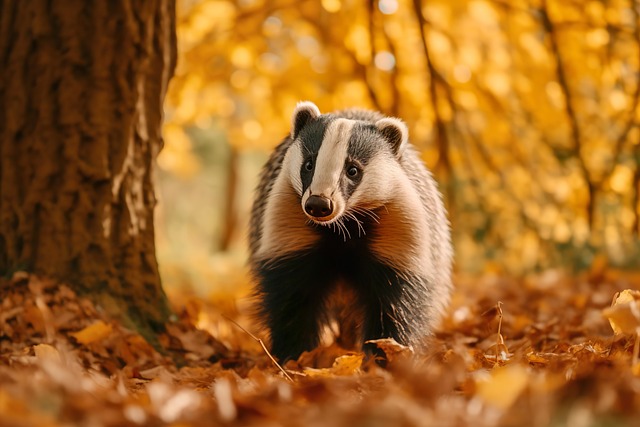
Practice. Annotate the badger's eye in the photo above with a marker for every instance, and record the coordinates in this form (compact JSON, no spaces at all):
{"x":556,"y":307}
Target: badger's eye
{"x":308,"y":165}
{"x":352,"y":171}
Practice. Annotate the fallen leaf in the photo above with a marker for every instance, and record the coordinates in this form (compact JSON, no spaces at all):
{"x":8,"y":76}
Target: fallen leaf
{"x":503,"y":386}
{"x":392,"y":349}
{"x":321,"y":357}
{"x":224,"y":398}
{"x":624,"y":313}
{"x":46,"y":352}
{"x":348,"y":364}
{"x":92,"y":333}
{"x":33,"y":316}
{"x":344,"y":365}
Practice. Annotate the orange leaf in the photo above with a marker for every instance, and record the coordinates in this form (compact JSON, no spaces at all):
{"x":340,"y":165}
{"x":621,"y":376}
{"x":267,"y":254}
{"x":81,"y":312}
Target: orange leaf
{"x":343,"y":365}
{"x":504,"y":385}
{"x":92,"y":333}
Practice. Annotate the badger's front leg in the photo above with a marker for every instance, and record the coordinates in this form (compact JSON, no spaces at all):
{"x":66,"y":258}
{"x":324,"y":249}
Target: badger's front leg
{"x":293,"y":294}
{"x":396,"y":306}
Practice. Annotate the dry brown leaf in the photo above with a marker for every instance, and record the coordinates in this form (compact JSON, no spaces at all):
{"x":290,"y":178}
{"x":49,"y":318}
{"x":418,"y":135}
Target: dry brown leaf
{"x":320,"y":357}
{"x":392,"y":349}
{"x":560,"y":356}
{"x":34,"y":317}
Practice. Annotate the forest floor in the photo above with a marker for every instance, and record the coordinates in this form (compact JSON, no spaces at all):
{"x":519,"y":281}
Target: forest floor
{"x":535,"y":351}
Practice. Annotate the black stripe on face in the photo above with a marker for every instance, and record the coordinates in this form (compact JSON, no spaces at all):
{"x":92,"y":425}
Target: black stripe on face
{"x":364,"y":142}
{"x":311,"y":137}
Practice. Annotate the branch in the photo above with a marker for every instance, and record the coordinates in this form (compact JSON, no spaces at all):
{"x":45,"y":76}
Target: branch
{"x":435,"y":78}
{"x":635,"y":199}
{"x":622,"y":138}
{"x":264,"y":347}
{"x":511,"y":193}
{"x":395,"y":93}
{"x":372,"y":94}
{"x":393,"y":85}
{"x":576,"y":138}
{"x":266,"y":10}
{"x":327,"y":40}
{"x":470,"y":168}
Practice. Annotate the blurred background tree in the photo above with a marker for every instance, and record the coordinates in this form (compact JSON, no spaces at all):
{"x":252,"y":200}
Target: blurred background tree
{"x":526,"y":110}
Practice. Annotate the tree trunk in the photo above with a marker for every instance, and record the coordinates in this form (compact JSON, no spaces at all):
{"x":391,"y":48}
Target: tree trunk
{"x":82,"y":85}
{"x":230,"y":208}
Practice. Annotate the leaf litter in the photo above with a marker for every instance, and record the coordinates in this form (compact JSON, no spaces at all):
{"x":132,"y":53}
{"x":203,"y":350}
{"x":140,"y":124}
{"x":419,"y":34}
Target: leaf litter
{"x":544,"y":350}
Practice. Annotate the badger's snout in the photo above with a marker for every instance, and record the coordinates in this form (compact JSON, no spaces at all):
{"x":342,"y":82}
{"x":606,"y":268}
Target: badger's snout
{"x":318,"y":207}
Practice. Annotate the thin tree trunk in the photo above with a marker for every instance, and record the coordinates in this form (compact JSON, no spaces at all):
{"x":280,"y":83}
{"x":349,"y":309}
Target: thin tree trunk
{"x":230,"y":209}
{"x":81,"y":90}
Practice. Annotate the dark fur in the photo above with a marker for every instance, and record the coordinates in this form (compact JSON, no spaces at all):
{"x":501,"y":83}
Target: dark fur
{"x":295,"y":293}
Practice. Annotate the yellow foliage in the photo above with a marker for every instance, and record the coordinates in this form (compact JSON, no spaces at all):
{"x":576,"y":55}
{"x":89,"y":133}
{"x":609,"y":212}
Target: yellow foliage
{"x":524,"y":109}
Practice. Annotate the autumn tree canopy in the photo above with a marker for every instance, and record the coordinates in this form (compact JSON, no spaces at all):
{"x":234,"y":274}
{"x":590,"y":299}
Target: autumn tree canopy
{"x":526,"y":110}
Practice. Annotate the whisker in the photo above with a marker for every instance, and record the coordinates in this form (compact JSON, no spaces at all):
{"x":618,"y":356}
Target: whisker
{"x":368,"y":213}
{"x":349,"y":215}
{"x":344,"y":228}
{"x":337,"y":229}
{"x":361,"y":211}
{"x":360,"y":227}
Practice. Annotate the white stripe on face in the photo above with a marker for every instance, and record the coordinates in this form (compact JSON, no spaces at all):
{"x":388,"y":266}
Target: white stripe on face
{"x":331,"y":158}
{"x":291,"y":166}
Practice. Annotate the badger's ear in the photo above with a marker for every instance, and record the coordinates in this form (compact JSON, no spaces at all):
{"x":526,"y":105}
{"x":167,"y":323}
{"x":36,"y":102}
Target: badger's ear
{"x":395,"y":132}
{"x":305,"y":112}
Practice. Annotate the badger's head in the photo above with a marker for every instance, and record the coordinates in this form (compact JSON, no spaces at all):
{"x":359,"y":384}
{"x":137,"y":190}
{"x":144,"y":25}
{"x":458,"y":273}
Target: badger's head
{"x":341,"y":167}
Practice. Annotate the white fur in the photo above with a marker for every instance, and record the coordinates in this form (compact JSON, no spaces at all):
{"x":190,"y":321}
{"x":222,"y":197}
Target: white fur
{"x":284,"y":227}
{"x":329,"y":167}
{"x":378,"y":182}
{"x":291,"y":166}
{"x":403,"y":235}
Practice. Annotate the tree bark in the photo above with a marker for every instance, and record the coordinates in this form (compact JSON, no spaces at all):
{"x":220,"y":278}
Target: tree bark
{"x":82,"y":85}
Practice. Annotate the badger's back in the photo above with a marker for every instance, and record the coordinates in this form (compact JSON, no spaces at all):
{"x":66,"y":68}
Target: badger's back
{"x":404,"y":236}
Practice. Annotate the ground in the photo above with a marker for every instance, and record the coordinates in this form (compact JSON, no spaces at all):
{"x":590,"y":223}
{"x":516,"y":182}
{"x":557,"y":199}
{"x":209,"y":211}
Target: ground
{"x":532,"y":351}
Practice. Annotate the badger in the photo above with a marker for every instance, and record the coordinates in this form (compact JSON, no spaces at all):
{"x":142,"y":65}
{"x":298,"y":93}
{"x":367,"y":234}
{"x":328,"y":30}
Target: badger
{"x":348,"y":227}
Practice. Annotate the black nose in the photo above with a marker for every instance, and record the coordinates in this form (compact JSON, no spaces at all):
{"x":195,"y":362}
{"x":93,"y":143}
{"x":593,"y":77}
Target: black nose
{"x":318,"y":206}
